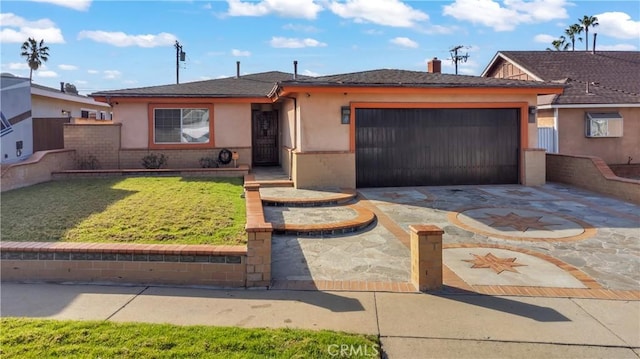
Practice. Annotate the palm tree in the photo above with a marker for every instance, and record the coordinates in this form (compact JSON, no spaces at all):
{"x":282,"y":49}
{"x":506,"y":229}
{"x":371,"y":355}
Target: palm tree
{"x":560,"y":44}
{"x":586,"y":22}
{"x":571,"y":32}
{"x":35,"y":53}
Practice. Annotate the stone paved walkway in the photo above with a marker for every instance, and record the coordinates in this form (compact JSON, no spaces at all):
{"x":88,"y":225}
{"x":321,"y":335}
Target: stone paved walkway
{"x":552,"y":236}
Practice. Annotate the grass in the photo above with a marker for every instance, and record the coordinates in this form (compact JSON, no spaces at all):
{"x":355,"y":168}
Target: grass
{"x":131,"y":210}
{"x":42,"y":338}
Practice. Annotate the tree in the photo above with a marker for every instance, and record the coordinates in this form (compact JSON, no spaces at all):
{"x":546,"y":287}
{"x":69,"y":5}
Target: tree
{"x":560,"y":44}
{"x":586,"y":22}
{"x":70,"y":88}
{"x":571,"y":32}
{"x":35,"y":54}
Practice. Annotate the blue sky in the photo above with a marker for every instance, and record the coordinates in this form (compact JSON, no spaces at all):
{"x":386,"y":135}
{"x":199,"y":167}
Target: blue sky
{"x":107,"y":45}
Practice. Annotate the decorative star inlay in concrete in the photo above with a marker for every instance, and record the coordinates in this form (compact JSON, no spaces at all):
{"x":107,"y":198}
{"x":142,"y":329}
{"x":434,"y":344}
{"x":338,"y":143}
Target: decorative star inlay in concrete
{"x":499,"y":265}
{"x":517,"y":222}
{"x":519,"y":193}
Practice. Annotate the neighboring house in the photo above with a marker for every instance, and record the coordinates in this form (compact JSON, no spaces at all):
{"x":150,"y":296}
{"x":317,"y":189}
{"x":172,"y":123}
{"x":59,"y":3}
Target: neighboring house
{"x":52,"y":108}
{"x":17,"y":124}
{"x":372,"y":128}
{"x":598,"y":114}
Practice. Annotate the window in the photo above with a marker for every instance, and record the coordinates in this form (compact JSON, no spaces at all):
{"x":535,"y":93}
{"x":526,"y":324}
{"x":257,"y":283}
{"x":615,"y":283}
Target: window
{"x":84,"y":114}
{"x":181,"y":125}
{"x":603,"y":124}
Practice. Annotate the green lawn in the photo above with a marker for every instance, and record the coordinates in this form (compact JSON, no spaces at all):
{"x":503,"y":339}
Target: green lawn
{"x":39,"y":338}
{"x":130,"y":210}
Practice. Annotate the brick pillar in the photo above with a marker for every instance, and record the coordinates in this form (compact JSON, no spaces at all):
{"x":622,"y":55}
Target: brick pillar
{"x":258,"y":239}
{"x":533,"y":162}
{"x":426,"y":257}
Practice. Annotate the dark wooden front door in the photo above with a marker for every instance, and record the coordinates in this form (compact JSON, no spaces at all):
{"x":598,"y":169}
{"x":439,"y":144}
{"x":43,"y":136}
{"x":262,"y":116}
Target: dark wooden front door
{"x":265,"y":138}
{"x":429,"y":147}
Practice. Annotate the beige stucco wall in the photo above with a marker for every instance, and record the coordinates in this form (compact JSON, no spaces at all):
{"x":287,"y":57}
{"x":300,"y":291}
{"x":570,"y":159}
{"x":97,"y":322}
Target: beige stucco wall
{"x":232,"y":125}
{"x":134,"y":120}
{"x":51,"y":107}
{"x":614,"y":150}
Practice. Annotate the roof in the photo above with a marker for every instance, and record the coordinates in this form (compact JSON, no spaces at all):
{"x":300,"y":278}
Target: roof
{"x":51,"y":92}
{"x":404,"y":78}
{"x":267,"y":83}
{"x":611,"y":77}
{"x":253,"y":85}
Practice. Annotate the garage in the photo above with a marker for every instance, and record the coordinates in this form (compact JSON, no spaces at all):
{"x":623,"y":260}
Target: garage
{"x":436,"y":146}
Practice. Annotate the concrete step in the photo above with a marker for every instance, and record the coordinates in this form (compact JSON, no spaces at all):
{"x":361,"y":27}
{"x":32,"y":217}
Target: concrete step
{"x":318,"y":221}
{"x":306,"y":198}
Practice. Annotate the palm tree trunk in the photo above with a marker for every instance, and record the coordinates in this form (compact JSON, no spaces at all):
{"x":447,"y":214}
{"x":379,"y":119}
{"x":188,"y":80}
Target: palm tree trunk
{"x":586,"y":35}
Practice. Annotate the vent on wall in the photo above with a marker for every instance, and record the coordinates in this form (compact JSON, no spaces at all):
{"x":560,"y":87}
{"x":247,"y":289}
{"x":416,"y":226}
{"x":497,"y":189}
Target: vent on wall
{"x":603,"y":124}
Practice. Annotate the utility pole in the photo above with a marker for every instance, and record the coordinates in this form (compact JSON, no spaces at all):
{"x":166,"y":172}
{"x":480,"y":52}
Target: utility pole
{"x":458,"y":58}
{"x":180,"y":55}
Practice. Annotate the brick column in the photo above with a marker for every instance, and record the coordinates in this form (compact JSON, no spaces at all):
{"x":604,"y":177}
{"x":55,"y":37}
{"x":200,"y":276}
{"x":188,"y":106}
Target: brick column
{"x":258,"y":239}
{"x":426,"y":257}
{"x":533,"y":163}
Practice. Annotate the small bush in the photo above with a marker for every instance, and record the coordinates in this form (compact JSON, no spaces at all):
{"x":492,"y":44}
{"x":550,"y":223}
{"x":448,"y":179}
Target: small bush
{"x":154,"y":161}
{"x":208,"y":162}
{"x":89,"y":162}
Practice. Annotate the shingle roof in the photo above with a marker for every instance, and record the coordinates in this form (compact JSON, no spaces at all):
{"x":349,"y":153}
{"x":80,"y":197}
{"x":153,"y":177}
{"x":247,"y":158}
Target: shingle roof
{"x":612,"y":76}
{"x":404,"y":78}
{"x":253,"y":85}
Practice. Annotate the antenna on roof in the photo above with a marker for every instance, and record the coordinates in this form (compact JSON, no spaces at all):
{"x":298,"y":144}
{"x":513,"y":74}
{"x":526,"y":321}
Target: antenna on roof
{"x":180,"y":56}
{"x":458,"y":58}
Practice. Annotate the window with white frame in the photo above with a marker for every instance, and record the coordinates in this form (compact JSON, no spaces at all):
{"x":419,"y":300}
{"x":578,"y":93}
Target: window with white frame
{"x":181,"y":125}
{"x":603,"y":124}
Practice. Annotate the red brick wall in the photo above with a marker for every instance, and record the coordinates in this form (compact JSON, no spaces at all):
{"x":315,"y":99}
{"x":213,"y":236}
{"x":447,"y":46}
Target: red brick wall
{"x":593,"y":174}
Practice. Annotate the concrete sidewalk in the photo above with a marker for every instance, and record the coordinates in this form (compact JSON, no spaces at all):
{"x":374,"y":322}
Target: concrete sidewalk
{"x":410,"y":325}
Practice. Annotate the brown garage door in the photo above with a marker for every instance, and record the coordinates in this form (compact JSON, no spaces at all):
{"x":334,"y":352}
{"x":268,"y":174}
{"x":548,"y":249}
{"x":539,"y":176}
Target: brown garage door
{"x":430,"y":147}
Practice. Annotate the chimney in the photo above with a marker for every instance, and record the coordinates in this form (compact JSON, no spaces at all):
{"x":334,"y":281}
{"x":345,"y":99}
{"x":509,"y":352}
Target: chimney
{"x":593,"y":50}
{"x":237,"y":69}
{"x":295,"y":69}
{"x":61,"y":86}
{"x":434,"y":66}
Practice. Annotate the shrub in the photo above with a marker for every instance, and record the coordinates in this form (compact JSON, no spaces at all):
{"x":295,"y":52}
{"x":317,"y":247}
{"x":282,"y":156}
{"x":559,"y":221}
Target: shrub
{"x":208,"y":162}
{"x":154,"y":161}
{"x":89,"y":162}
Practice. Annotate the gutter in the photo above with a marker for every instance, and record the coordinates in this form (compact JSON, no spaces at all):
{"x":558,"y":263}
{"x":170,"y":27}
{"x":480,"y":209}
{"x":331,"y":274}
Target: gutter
{"x":588,"y":105}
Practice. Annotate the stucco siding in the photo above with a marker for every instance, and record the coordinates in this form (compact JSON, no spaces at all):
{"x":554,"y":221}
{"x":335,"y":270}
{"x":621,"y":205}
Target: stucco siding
{"x":135,"y":122}
{"x":614,"y":150}
{"x":232,"y":125}
{"x":545,"y":118}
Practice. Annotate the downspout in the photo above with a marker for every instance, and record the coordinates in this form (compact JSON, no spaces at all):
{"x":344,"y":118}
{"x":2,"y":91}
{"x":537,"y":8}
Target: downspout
{"x":556,"y":142}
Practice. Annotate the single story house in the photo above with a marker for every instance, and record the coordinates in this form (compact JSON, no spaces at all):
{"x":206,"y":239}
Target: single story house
{"x":598,"y":114}
{"x":383,"y":127}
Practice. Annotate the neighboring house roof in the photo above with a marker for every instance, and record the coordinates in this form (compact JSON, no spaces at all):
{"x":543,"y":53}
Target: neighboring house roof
{"x":50,"y":92}
{"x":253,"y":85}
{"x":268,"y":83}
{"x":604,"y":77}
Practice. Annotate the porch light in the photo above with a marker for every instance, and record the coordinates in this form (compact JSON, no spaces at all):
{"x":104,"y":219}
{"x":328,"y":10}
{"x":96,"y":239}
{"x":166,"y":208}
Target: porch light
{"x":346,"y":115}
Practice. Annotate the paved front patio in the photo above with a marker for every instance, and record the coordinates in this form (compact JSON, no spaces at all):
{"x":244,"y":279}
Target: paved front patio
{"x":554,"y":236}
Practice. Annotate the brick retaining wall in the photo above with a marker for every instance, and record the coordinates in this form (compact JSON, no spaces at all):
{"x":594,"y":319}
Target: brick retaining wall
{"x":593,"y":174}
{"x":36,"y":169}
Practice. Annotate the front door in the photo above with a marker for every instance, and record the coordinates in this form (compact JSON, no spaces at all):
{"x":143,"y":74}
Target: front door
{"x":265,"y":138}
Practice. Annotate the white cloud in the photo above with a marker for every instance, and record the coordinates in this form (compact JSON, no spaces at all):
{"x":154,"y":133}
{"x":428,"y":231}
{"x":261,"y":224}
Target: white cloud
{"x":46,"y":73}
{"x":404,"y":42}
{"x":93,"y":72}
{"x":373,"y":32}
{"x":81,"y":82}
{"x":130,"y":82}
{"x":16,"y":29}
{"x":490,"y":13}
{"x":617,"y":47}
{"x":236,"y":52}
{"x":381,"y":12}
{"x":67,"y":67}
{"x":442,"y":30}
{"x":18,"y":66}
{"x":121,"y":39}
{"x":300,"y":28}
{"x":111,"y":74}
{"x":618,"y":25}
{"x":544,"y":38}
{"x":80,"y":5}
{"x":207,"y":6}
{"x":306,"y":9}
{"x":292,"y":43}
{"x":310,"y":73}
